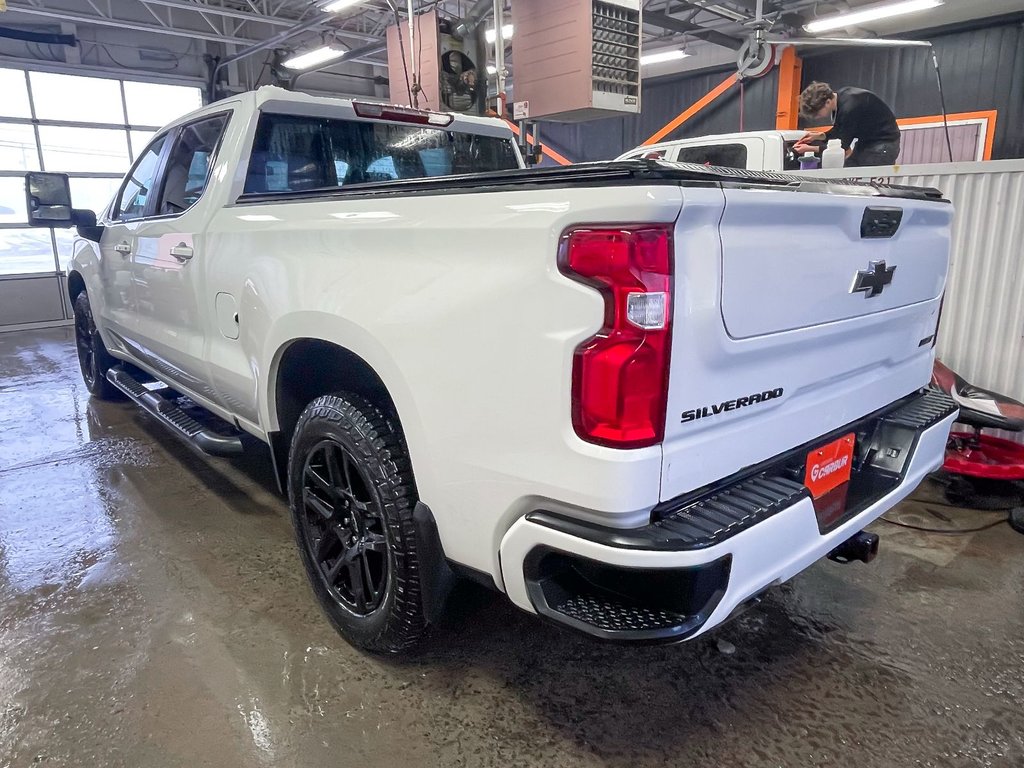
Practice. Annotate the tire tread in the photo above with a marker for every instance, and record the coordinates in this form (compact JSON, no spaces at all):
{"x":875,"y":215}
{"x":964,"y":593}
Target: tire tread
{"x":383,"y":451}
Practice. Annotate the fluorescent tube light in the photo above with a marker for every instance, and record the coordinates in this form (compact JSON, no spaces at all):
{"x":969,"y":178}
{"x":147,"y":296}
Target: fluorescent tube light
{"x":659,"y":56}
{"x":338,"y":5}
{"x":310,"y":59}
{"x":721,"y":10}
{"x":506,"y":33}
{"x":871,"y":13}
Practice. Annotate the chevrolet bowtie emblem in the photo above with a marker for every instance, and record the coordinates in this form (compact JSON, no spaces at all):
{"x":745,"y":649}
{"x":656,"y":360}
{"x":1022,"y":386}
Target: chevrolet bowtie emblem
{"x":872,"y":281}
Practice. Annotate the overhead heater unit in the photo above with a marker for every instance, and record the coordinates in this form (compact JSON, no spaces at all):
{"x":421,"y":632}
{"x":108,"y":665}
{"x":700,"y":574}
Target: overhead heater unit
{"x":576,"y":60}
{"x":445,"y":66}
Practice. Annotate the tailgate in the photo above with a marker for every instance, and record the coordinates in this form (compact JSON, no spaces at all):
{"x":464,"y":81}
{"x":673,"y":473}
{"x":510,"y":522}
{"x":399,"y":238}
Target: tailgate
{"x":790,"y":259}
{"x":795,"y":327}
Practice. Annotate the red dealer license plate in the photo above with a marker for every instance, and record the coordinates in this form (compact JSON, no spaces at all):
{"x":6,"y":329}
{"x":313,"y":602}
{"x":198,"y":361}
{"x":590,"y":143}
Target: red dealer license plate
{"x":829,"y":466}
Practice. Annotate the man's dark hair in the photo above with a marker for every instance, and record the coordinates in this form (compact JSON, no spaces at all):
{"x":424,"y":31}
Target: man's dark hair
{"x":814,"y":97}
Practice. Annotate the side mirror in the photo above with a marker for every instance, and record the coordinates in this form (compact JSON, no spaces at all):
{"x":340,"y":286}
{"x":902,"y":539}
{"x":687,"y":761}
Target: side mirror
{"x":48,"y":199}
{"x":48,"y":202}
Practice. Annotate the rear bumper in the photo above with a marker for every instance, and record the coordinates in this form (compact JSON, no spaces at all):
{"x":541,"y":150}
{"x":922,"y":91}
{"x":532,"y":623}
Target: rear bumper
{"x":707,"y":555}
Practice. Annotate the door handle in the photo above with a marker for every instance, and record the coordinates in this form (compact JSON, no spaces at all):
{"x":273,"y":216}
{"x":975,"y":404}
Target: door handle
{"x":181,"y":252}
{"x":124,"y":248}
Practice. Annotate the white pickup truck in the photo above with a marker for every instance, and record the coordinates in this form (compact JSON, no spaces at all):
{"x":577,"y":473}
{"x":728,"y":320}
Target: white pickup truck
{"x":753,"y":150}
{"x":631,"y":396}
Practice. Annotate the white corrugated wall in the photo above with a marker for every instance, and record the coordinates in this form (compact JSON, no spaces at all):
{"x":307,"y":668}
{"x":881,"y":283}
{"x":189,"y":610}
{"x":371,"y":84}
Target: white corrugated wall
{"x":982,"y":331}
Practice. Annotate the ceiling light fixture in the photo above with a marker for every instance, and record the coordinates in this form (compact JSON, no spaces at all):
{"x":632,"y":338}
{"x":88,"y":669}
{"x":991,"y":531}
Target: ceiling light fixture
{"x":871,"y":13}
{"x":506,"y":33}
{"x":313,"y":58}
{"x":661,"y":56}
{"x":338,"y":5}
{"x":728,"y":13}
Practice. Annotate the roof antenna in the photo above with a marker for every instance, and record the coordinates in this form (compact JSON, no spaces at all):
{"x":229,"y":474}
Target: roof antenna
{"x":401,"y":47}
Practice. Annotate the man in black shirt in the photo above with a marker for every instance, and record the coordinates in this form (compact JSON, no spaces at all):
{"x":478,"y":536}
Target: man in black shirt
{"x":861,"y":121}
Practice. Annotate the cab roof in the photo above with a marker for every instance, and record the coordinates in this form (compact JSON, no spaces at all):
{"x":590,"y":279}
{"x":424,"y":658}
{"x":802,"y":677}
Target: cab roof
{"x":274,"y":99}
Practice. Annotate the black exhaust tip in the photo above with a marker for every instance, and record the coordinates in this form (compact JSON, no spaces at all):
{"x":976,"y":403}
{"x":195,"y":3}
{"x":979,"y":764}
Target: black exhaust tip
{"x":861,"y":546}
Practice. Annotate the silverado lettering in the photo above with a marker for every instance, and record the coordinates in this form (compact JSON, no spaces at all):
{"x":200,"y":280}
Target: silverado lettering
{"x":731,"y":405}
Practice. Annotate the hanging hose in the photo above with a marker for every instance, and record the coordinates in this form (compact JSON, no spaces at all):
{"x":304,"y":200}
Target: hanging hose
{"x":742,"y":99}
{"x":942,"y":101}
{"x":401,"y":47}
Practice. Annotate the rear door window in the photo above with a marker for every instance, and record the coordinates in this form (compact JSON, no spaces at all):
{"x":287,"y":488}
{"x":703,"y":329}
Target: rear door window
{"x":722,"y":155}
{"x":188,"y":164}
{"x":294,"y":153}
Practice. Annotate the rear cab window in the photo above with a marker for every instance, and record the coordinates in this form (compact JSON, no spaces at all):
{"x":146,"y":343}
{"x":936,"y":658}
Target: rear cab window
{"x":721,"y":155}
{"x":293,"y":153}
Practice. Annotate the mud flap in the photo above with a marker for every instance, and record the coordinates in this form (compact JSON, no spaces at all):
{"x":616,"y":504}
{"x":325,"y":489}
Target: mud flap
{"x":436,"y":576}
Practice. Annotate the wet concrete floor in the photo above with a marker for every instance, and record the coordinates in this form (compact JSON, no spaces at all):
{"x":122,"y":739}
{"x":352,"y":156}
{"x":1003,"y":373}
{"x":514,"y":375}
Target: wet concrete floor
{"x":153,"y":613}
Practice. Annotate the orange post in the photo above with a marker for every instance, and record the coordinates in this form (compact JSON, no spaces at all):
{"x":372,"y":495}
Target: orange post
{"x":693,"y":109}
{"x":560,"y":159}
{"x":790,"y":69}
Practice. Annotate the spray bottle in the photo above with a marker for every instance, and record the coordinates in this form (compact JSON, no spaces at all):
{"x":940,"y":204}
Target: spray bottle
{"x":808,"y":161}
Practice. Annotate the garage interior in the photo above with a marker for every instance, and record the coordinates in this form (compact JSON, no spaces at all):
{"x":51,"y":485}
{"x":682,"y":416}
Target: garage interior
{"x":153,"y":611}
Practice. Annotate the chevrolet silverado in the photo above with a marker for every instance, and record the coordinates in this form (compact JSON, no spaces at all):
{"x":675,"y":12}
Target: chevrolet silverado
{"x":632,"y":396}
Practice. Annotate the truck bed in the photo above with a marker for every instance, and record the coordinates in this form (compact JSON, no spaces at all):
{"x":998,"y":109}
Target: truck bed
{"x":602,"y":174}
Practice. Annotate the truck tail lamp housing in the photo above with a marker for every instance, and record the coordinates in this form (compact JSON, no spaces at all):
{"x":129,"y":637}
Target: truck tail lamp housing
{"x":620,"y":375}
{"x":402,"y":114}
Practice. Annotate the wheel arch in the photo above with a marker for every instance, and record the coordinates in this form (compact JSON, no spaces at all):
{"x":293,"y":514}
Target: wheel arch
{"x":305,"y":368}
{"x":75,"y":285}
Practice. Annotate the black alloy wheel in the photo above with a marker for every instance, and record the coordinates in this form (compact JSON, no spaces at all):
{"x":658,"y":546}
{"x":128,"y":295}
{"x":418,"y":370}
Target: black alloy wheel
{"x":352,"y":496}
{"x":93,"y":357}
{"x":344,"y":529}
{"x":84,"y":332}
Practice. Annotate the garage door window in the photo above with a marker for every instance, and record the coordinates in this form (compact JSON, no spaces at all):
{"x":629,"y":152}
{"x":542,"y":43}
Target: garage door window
{"x":76,"y":125}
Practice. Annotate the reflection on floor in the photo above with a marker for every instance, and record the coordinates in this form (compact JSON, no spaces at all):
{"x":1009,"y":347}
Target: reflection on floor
{"x":153,"y":613}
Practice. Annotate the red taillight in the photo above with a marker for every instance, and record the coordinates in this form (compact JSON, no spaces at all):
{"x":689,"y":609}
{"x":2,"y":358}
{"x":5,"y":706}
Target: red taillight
{"x":620,"y":375}
{"x":402,"y":114}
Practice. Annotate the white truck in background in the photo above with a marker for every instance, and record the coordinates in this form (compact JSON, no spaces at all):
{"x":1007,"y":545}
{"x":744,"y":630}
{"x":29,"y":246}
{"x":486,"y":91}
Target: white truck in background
{"x":632,"y":396}
{"x":752,"y":150}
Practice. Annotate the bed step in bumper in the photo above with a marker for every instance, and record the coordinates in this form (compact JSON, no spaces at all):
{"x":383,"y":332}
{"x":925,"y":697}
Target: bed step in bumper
{"x":706,"y":556}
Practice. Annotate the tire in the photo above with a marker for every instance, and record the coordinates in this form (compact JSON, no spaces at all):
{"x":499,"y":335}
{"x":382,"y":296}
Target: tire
{"x":352,"y":495}
{"x":1017,"y":519}
{"x":93,"y":357}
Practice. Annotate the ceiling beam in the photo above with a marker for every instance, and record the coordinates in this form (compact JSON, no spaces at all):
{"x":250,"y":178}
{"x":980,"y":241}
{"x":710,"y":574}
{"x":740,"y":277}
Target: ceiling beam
{"x":103,"y":21}
{"x":791,"y":19}
{"x":254,"y":17}
{"x":216,"y":10}
{"x":673,"y":24}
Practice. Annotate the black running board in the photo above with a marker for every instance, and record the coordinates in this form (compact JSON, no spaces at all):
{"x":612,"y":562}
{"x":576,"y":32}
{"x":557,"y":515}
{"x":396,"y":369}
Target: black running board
{"x":204,"y":438}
